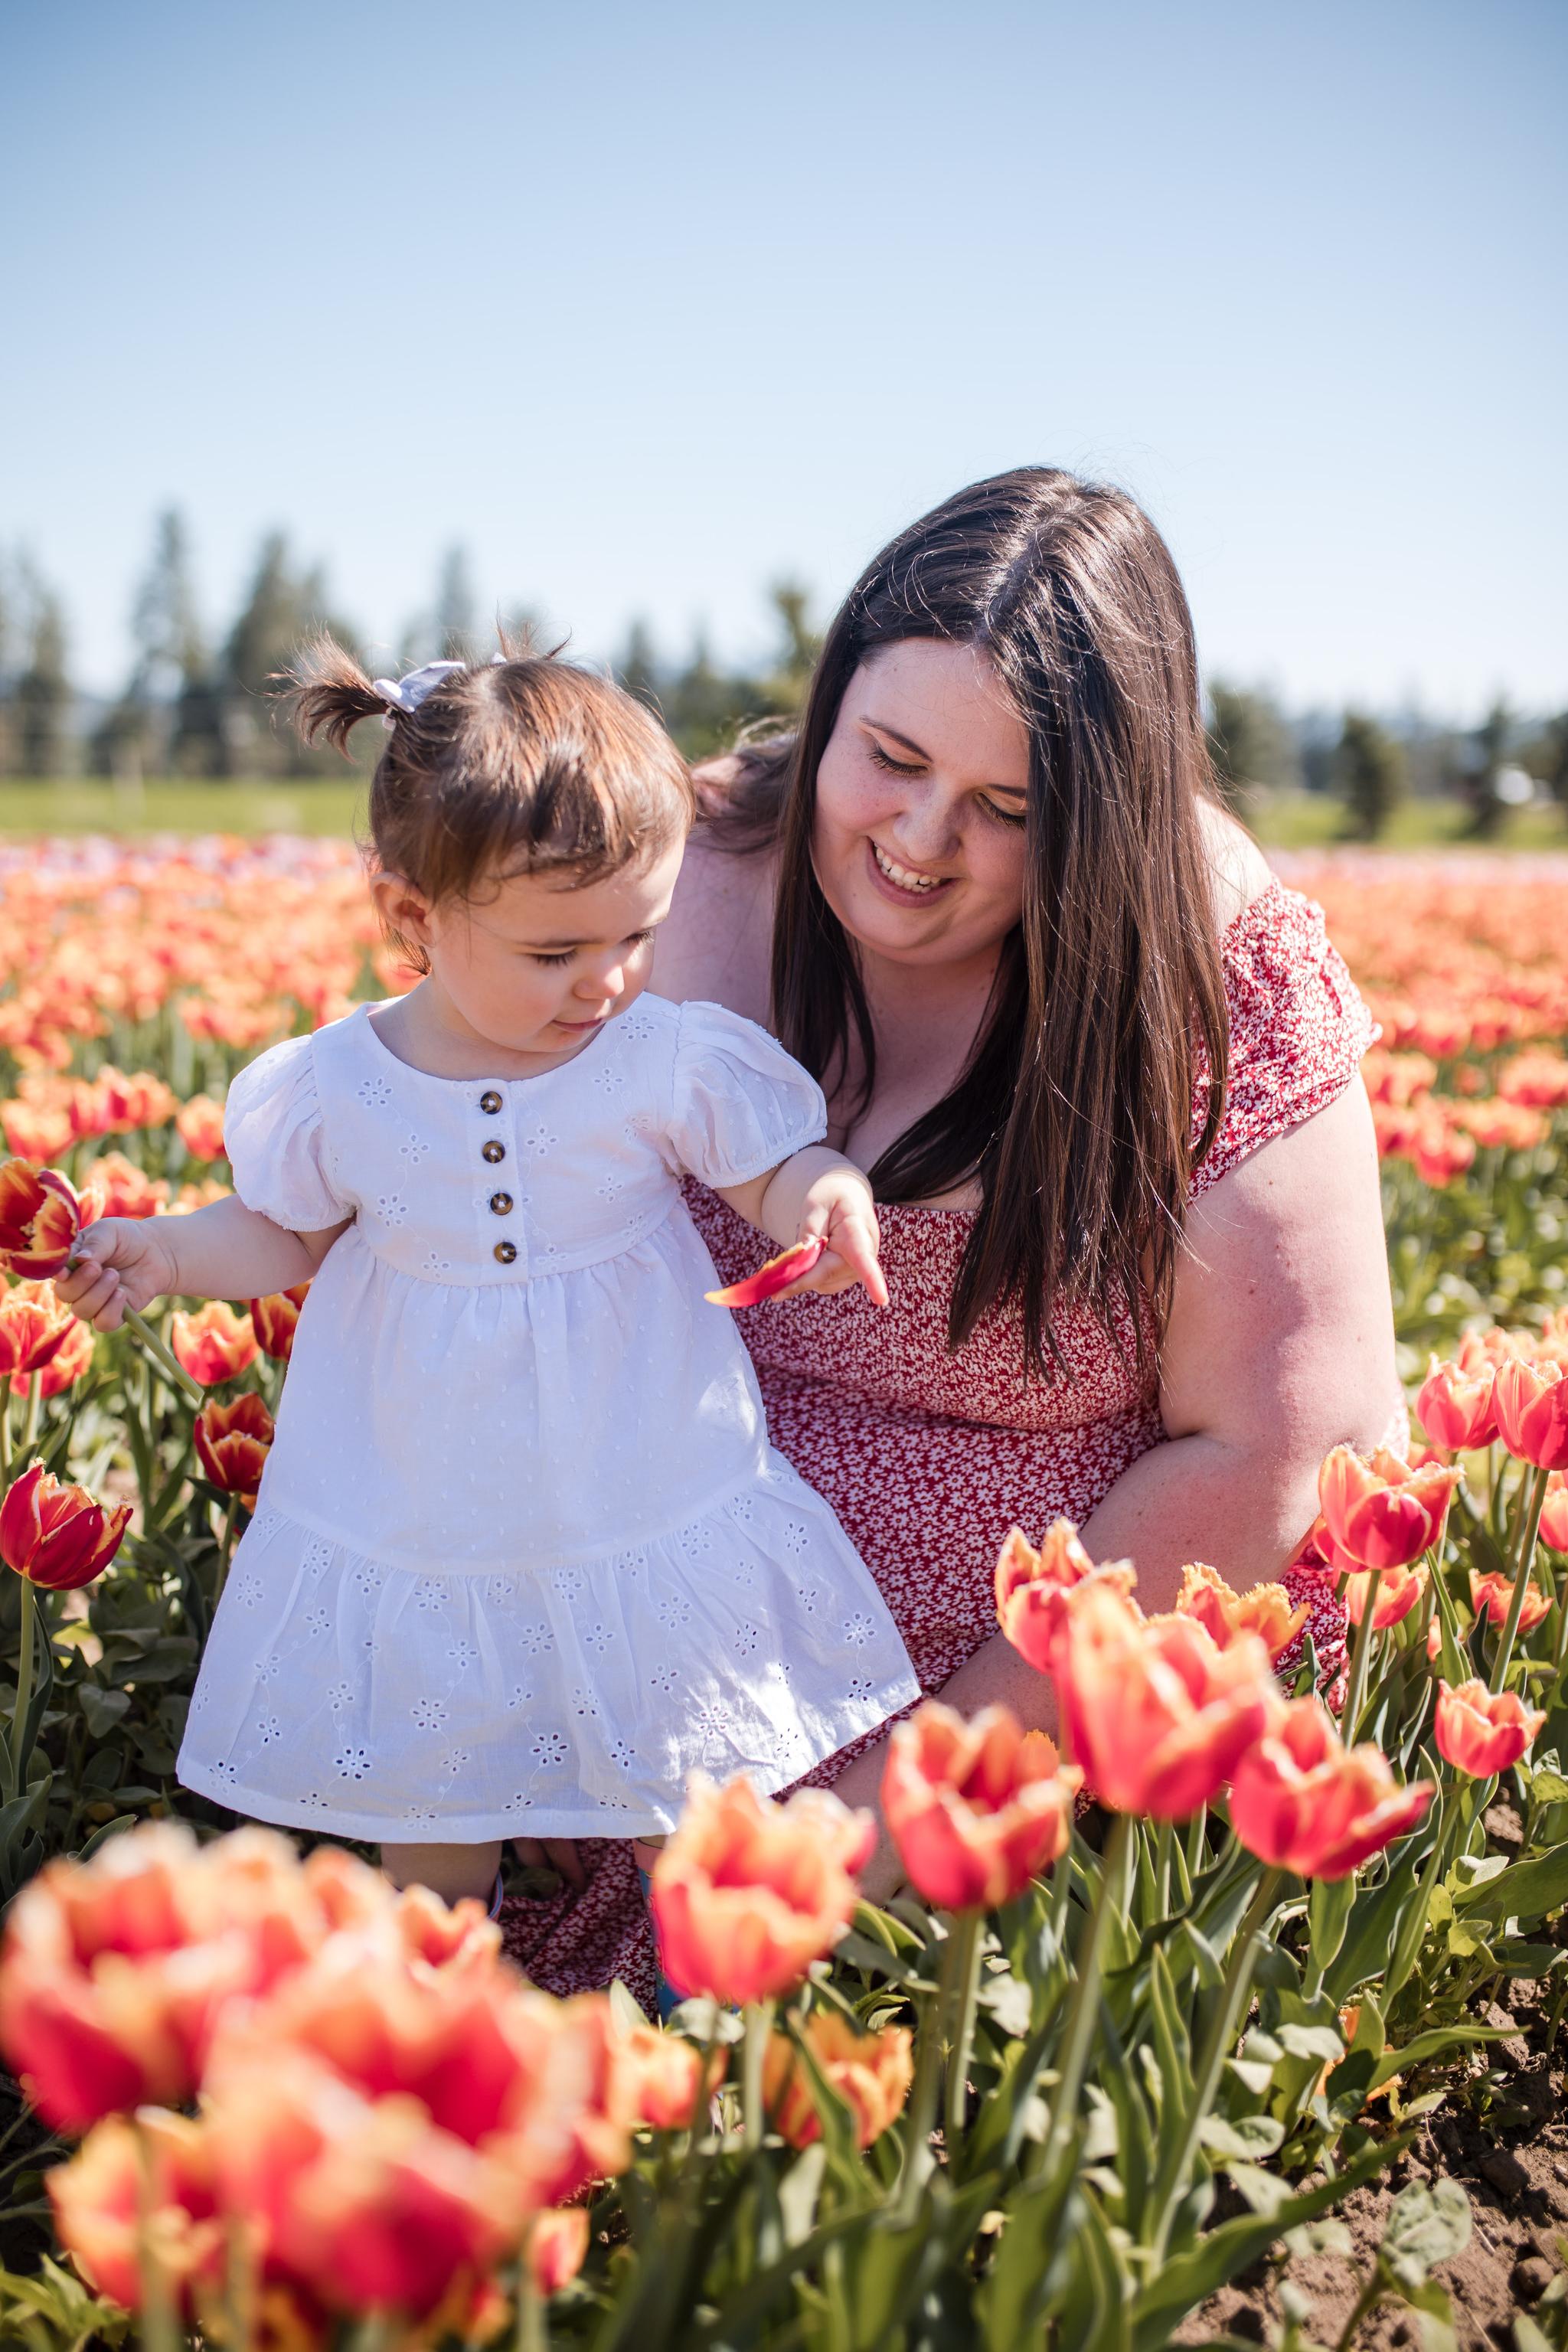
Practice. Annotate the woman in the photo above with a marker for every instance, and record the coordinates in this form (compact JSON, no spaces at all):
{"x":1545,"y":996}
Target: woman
{"x":1102,"y":1069}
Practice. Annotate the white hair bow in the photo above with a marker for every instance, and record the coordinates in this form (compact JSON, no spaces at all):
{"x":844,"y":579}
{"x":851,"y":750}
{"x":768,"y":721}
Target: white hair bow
{"x":406,"y":694}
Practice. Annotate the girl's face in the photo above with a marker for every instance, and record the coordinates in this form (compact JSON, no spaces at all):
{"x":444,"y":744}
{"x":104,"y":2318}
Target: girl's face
{"x":920,"y":795}
{"x":532,"y":965}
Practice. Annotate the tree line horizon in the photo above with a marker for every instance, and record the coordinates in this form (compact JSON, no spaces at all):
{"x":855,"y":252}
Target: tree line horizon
{"x":199,"y":702}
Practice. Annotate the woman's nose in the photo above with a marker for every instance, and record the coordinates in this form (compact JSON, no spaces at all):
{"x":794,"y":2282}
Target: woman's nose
{"x":924,"y":829}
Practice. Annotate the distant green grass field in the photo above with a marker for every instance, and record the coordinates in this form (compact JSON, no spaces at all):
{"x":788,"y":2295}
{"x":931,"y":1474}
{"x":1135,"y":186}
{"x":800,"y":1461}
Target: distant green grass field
{"x":1280,"y":820}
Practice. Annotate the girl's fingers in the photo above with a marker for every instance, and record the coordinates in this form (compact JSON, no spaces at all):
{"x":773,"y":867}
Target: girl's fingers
{"x":96,"y":1294}
{"x":854,"y":1241}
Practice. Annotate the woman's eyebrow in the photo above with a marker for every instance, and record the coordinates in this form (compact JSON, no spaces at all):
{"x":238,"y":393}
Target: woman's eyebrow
{"x":882,"y":728}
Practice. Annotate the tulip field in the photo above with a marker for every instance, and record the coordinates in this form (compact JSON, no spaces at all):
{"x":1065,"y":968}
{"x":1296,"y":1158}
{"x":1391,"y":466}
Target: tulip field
{"x":1237,"y":2021}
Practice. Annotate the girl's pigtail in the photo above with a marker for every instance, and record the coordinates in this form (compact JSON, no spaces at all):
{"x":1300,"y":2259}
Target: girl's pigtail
{"x":327,"y":694}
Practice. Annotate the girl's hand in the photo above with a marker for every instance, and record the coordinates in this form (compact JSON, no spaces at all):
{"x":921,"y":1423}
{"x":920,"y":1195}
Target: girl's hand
{"x":120,"y":1263}
{"x":553,"y":1853}
{"x":839,"y":1207}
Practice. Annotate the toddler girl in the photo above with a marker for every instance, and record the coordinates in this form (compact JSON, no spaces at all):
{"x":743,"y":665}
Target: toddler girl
{"x":523,"y":1556}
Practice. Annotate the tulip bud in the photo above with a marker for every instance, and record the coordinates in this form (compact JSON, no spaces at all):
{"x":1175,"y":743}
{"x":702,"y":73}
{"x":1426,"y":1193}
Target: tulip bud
{"x":155,"y":2175}
{"x":215,"y":1343}
{"x":1454,"y":1407}
{"x":1554,"y":1513}
{"x":668,"y":2072}
{"x":871,"y":2073}
{"x":1303,"y":1802}
{"x":1482,"y":1732}
{"x":274,"y":1319}
{"x":1399,"y":1590}
{"x":232,"y":1443}
{"x":557,"y":2242}
{"x":1032,"y":1585}
{"x":56,"y":1535}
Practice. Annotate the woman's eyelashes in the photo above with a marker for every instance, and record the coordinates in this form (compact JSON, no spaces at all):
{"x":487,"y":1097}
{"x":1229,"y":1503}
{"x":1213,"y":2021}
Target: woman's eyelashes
{"x":890,"y":766}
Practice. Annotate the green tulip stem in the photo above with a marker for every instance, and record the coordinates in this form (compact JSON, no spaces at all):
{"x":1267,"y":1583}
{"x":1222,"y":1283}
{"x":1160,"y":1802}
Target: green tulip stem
{"x":1533,"y":1501}
{"x":1085,"y":2010}
{"x":1453,"y":1644}
{"x":27,"y":1645}
{"x":930,"y":2048}
{"x":1361,"y":1655}
{"x":532,"y":2323}
{"x":160,"y":2329}
{"x":959,"y":2033}
{"x":30,"y":1417}
{"x":754,"y":2050}
{"x":167,"y":1363}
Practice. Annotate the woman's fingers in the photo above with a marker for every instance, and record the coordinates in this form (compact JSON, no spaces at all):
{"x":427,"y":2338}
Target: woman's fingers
{"x":553,"y":1853}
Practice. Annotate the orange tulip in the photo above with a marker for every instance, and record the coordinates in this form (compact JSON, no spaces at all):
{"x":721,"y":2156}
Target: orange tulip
{"x":1481,"y":1731}
{"x":1154,"y":1712}
{"x":215,"y":1343}
{"x":1455,"y":1406}
{"x":1383,"y":1514}
{"x":1032,"y":1585}
{"x":1493,"y":1595}
{"x":1533,"y":1411}
{"x":58,"y":1537}
{"x":1224,"y":1613}
{"x":557,"y":2242}
{"x":668,"y":2077}
{"x":1399,"y":1590}
{"x":274,"y":1319}
{"x":36,"y":1131}
{"x":1315,"y":1554}
{"x":125,"y":1104}
{"x":749,"y":1891}
{"x":232,"y":1443}
{"x":41,"y":1213}
{"x":1303,"y":1802}
{"x":871,"y":2072}
{"x":1554,"y":1513}
{"x":34,"y":1327}
{"x":127,"y":1191}
{"x":71,"y":1360}
{"x":199,"y":1123}
{"x":99,"y":2200}
{"x":977,"y":1809}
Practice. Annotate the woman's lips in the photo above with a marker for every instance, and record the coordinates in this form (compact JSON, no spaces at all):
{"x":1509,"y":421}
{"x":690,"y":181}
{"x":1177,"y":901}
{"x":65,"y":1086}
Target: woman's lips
{"x":918,"y":893}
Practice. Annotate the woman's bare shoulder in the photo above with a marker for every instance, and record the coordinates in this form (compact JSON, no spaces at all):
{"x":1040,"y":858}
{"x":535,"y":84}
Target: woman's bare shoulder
{"x":717,"y":942}
{"x":1238,"y":870}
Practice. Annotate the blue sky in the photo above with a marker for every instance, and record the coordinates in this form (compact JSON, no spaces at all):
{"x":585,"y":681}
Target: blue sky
{"x":648,"y":306}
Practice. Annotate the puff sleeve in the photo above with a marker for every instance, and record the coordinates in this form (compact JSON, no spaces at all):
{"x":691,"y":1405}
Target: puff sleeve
{"x":739,"y":1103}
{"x":272,"y":1135}
{"x":1299,"y":1028}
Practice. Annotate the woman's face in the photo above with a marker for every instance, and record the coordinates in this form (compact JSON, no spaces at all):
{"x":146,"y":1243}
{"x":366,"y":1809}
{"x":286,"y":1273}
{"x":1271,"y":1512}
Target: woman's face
{"x":920,"y":796}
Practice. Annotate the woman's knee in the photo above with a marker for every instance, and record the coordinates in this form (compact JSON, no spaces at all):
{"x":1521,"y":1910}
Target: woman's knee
{"x":449,"y":1871}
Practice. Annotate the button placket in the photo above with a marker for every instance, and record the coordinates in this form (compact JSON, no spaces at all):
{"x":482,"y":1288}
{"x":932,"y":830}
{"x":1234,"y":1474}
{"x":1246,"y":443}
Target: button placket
{"x":492,"y":1151}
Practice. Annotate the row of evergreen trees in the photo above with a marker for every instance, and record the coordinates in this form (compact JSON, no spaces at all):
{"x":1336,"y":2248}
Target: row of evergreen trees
{"x":198,"y":703}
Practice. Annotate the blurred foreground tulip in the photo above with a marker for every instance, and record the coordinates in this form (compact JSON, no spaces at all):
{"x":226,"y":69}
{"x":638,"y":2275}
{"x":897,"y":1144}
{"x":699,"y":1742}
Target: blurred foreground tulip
{"x":34,"y":1327}
{"x":1302,"y":1800}
{"x":1481,"y":1731}
{"x":1399,"y":1590}
{"x":557,"y":2242}
{"x":41,"y":1213}
{"x":58,"y":1537}
{"x":274,"y":1319}
{"x":1554,"y":1513}
{"x":668,"y":2074}
{"x":749,"y":1891}
{"x":871,"y":2073}
{"x":976,"y":1809}
{"x":214,"y":1344}
{"x":232,"y":1443}
{"x":1224,"y":1613}
{"x":102,"y":2203}
{"x":1491,"y":1595}
{"x":199,"y":1123}
{"x":1533,"y":1411}
{"x":1382,"y":1514}
{"x":1153,"y":1711}
{"x":1455,"y":1406}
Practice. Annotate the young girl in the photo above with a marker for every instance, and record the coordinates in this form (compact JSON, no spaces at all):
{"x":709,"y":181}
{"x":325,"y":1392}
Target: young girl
{"x":523,"y":1556}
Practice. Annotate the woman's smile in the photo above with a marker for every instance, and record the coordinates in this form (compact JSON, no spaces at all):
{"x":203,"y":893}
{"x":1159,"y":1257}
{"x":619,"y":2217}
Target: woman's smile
{"x":902,"y":881}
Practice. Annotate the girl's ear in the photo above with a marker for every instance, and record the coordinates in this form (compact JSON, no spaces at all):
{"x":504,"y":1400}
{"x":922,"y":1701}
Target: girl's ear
{"x":403,"y":908}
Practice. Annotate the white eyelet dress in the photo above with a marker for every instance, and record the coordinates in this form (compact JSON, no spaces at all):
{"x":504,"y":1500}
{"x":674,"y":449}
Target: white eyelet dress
{"x":523,"y":1556}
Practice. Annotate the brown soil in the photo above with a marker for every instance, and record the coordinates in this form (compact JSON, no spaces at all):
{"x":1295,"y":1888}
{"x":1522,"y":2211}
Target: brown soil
{"x":1502,"y":2134}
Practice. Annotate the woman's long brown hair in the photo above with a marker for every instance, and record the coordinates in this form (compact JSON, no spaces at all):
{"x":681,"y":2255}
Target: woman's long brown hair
{"x":1075,"y":1112}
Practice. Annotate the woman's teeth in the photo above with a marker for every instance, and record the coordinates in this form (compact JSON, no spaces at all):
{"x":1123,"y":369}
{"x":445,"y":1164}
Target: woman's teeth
{"x":900,"y":876}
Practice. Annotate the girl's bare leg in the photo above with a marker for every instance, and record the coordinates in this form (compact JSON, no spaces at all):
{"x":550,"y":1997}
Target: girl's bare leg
{"x":448,"y":1870}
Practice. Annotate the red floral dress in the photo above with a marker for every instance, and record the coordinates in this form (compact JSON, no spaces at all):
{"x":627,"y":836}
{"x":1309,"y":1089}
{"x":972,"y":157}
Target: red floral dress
{"x":929,"y":1457}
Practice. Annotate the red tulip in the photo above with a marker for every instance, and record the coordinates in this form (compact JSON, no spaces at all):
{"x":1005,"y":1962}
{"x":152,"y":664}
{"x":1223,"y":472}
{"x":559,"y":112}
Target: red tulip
{"x":1303,"y":1802}
{"x":232,"y":1443}
{"x":102,"y":2202}
{"x":1456,"y":1407}
{"x":1494,"y":1593}
{"x":750,"y":1891}
{"x":58,"y":1537}
{"x":775,"y":1275}
{"x":1399,"y":1590}
{"x":1032,"y":1585}
{"x":871,"y":2072}
{"x":41,"y":1213}
{"x":276,"y":1318}
{"x":668,"y":2072}
{"x":34,"y":1327}
{"x":200,"y":1125}
{"x":1224,"y":1613}
{"x":1383,"y":1514}
{"x":125,"y":1189}
{"x":1554,"y":1513}
{"x":1482,"y":1732}
{"x":214,"y":1344}
{"x":1533,"y":1411}
{"x":71,"y":1360}
{"x":557,"y":2242}
{"x":1156,"y":1715}
{"x":977,"y":1809}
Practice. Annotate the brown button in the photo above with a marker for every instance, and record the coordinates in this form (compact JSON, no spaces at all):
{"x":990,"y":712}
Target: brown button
{"x":489,"y":1101}
{"x":505,"y":1251}
{"x":502,"y":1203}
{"x":493,"y":1151}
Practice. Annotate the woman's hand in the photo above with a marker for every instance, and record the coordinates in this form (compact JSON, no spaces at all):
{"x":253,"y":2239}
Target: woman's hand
{"x":553,"y":1853}
{"x":118,"y":1262}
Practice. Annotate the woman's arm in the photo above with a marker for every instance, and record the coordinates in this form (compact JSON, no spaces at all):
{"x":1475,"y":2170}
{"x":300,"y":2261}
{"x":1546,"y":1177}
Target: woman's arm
{"x":1280,"y":1345}
{"x":224,"y":1251}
